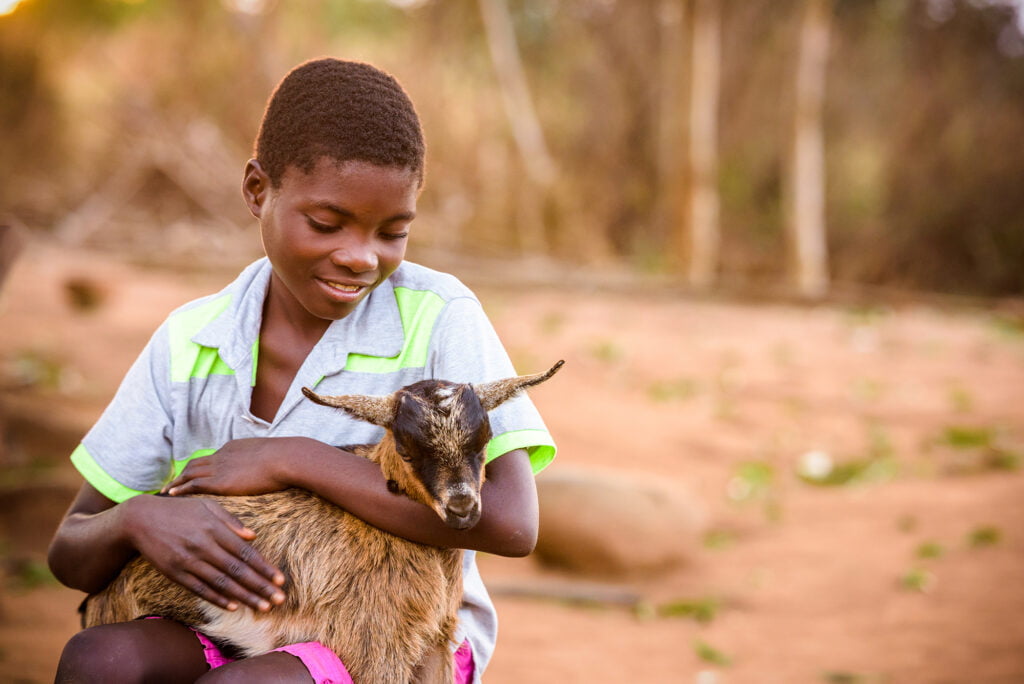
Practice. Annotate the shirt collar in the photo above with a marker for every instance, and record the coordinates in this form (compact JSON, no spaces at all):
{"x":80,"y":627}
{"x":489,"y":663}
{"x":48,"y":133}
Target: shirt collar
{"x":374,"y":328}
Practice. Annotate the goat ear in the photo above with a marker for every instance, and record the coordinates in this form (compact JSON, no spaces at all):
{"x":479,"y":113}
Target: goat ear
{"x":494,"y":394}
{"x":376,"y":410}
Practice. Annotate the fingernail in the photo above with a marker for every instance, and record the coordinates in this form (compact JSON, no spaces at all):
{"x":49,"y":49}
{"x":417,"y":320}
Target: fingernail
{"x":279,"y":579}
{"x":232,"y":606}
{"x":278,"y":597}
{"x":264,"y":606}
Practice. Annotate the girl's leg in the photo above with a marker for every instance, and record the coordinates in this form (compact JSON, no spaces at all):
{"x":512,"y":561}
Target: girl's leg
{"x":307,"y":662}
{"x":137,"y":651}
{"x":271,"y":668}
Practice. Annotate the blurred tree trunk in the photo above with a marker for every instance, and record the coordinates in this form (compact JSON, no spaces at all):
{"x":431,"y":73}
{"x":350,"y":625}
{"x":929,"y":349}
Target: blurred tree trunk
{"x":671,"y":103}
{"x":526,"y":129}
{"x":703,"y":201}
{"x":807,"y":219}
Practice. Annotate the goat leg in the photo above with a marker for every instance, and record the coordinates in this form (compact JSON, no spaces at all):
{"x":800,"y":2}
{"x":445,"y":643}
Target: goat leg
{"x":435,"y":667}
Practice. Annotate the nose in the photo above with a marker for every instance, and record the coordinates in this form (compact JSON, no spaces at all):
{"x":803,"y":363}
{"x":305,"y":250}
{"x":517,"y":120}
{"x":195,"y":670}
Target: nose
{"x":461,"y":505}
{"x":355,"y":254}
{"x":462,"y":511}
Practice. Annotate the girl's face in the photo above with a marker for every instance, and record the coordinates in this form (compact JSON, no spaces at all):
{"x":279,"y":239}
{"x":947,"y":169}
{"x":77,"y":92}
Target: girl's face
{"x":331,"y":235}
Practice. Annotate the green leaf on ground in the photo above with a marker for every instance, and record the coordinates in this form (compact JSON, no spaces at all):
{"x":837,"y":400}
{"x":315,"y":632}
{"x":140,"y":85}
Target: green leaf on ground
{"x":930,"y":549}
{"x":967,"y":437}
{"x":841,"y":677}
{"x":851,"y":472}
{"x":753,"y":480}
{"x":702,"y":610}
{"x":919,"y":579}
{"x":712,"y":655}
{"x":719,"y":539}
{"x":673,"y":390}
{"x":552,"y":323}
{"x":607,"y":351}
{"x":986,"y":535}
{"x":961,"y":399}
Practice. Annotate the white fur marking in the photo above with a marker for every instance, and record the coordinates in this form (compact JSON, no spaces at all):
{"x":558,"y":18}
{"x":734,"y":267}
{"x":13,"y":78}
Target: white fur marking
{"x":240,"y":627}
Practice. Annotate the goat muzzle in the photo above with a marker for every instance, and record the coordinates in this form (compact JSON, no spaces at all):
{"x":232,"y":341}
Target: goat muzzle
{"x":462,"y":511}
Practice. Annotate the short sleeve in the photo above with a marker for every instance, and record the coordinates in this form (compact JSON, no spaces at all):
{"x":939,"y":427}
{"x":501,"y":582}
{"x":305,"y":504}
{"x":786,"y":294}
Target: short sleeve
{"x":465,"y":348}
{"x":128,"y":451}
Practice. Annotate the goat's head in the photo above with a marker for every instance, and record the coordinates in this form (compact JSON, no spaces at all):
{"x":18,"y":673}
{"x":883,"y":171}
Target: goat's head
{"x":439,"y":430}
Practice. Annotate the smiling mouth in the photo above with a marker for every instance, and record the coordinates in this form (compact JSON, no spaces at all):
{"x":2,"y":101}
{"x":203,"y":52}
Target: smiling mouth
{"x":344,"y":293}
{"x":342,"y":286}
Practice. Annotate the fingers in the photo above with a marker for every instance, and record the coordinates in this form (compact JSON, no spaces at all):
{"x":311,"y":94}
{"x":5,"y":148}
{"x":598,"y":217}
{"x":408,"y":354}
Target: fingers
{"x":210,"y":555}
{"x":231,"y":573}
{"x":246,"y":553}
{"x":228,"y":588}
{"x":186,"y":482}
{"x":182,"y":486}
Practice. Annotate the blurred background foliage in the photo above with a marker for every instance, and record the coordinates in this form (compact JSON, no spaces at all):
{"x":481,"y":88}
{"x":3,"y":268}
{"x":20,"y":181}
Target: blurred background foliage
{"x":126,"y":124}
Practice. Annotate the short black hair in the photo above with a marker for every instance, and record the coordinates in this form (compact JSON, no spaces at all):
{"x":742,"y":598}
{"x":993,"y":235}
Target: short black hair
{"x":346,"y":111}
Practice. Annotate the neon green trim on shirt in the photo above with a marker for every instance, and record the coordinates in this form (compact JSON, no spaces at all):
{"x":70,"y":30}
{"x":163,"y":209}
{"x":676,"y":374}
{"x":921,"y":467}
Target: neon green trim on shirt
{"x":98,"y":478}
{"x":537,"y":443}
{"x":419,"y":310}
{"x":191,"y":360}
{"x":111,"y":488}
{"x":180,"y":465}
{"x":255,"y":359}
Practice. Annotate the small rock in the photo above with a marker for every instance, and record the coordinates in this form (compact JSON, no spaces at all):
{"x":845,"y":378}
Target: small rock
{"x":616,"y":523}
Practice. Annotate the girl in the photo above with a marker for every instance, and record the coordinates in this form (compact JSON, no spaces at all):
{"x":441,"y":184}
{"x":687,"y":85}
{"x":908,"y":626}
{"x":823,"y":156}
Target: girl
{"x":213,"y":403}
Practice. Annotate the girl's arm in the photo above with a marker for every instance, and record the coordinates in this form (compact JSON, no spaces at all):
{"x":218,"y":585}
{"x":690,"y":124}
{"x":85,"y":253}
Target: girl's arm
{"x":507,"y":527}
{"x":194,"y":542}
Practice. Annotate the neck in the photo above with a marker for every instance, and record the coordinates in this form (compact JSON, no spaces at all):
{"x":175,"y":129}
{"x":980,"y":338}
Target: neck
{"x":280,"y":308}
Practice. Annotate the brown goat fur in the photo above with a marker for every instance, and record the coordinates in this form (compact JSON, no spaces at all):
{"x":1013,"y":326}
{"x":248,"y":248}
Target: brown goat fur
{"x":382,"y":603}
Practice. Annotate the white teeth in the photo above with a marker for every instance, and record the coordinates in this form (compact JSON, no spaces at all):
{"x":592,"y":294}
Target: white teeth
{"x":344,"y":288}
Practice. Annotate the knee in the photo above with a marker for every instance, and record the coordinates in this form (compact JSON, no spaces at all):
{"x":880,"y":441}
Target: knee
{"x":224,"y":675}
{"x":131,"y":652}
{"x":96,"y":655}
{"x":269,"y":667}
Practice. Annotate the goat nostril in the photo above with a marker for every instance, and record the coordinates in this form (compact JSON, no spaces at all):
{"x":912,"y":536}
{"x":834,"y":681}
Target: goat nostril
{"x":461,"y":505}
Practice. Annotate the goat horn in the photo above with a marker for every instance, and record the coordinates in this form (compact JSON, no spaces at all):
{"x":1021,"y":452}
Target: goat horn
{"x":494,"y":394}
{"x":377,"y":410}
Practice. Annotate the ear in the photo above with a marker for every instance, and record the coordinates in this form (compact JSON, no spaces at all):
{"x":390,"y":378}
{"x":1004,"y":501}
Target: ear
{"x":255,"y":185}
{"x":377,"y":410}
{"x":494,"y":394}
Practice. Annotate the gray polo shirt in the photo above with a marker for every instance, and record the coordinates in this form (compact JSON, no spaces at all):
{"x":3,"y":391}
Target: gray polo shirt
{"x":189,"y":391}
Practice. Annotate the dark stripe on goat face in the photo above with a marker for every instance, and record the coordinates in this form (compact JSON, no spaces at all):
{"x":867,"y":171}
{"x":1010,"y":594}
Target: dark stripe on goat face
{"x":441,"y":431}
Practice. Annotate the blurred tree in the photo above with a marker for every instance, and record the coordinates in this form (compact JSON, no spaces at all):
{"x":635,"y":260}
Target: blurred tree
{"x":954,"y":172}
{"x":758,"y":57}
{"x":951,"y":216}
{"x":30,"y":117}
{"x":522,"y":117}
{"x":650,"y":139}
{"x":702,"y":201}
{"x":671,"y":136}
{"x":807,"y":183}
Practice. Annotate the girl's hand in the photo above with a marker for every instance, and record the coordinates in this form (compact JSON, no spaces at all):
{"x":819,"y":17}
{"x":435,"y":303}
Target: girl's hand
{"x":202,"y":547}
{"x":242,"y":466}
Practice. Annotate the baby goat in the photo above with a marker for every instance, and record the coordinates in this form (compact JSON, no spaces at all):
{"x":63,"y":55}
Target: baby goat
{"x":382,"y":603}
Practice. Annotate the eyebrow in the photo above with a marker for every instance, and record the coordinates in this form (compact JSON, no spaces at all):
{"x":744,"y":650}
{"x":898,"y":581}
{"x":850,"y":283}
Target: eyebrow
{"x":341,"y":211}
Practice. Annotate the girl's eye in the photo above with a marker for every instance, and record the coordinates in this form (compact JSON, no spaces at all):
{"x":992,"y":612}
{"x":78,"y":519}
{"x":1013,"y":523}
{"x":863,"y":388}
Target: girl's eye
{"x":319,"y":227}
{"x":394,"y":236}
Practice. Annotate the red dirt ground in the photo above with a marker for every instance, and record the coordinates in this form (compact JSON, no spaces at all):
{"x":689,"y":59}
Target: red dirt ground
{"x":910,"y":573}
